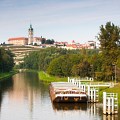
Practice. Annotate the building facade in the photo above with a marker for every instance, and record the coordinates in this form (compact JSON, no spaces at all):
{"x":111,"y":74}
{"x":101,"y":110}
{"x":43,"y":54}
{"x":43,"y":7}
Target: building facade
{"x":31,"y":40}
{"x":18,"y":41}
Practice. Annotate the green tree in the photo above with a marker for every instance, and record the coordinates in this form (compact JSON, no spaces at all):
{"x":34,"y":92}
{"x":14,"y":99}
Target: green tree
{"x":43,"y":40}
{"x":49,"y":41}
{"x":55,"y":67}
{"x":6,"y":60}
{"x":109,"y":38}
{"x":82,"y":69}
{"x":62,"y":66}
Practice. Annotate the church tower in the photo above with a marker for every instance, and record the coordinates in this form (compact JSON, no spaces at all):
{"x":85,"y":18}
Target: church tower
{"x":30,"y":35}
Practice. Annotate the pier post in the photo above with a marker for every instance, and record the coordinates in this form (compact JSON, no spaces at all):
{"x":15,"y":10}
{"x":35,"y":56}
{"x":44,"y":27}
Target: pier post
{"x":68,"y":79}
{"x":92,"y":94}
{"x":88,"y":90}
{"x":104,"y":102}
{"x":110,"y":103}
{"x":112,"y":100}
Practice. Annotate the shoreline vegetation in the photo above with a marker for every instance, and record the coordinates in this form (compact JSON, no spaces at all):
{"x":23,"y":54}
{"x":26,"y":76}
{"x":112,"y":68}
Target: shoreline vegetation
{"x":7,"y":75}
{"x":115,"y":89}
{"x":48,"y":78}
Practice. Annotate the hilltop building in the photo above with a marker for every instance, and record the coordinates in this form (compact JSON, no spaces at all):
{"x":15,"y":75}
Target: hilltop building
{"x":18,"y":41}
{"x":74,"y":45}
{"x":31,"y":40}
{"x":30,"y":35}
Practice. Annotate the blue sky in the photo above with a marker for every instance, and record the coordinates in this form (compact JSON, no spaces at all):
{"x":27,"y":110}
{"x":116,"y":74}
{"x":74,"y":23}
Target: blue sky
{"x":61,"y":20}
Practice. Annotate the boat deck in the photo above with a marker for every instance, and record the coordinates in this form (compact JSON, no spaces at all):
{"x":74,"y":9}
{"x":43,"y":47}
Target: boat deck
{"x":66,"y":92}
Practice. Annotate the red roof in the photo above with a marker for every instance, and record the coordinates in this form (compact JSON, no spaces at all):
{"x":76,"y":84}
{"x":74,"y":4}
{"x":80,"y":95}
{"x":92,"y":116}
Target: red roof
{"x":18,"y":38}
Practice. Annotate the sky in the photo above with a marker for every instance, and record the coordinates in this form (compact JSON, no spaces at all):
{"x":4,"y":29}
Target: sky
{"x":61,"y":20}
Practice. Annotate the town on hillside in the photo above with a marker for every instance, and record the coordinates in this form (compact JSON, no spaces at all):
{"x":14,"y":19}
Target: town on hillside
{"x":43,"y":42}
{"x":21,"y":46}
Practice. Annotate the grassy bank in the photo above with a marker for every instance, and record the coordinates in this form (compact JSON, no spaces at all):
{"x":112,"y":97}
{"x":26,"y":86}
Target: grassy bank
{"x":115,"y":89}
{"x":48,"y":78}
{"x":7,"y":75}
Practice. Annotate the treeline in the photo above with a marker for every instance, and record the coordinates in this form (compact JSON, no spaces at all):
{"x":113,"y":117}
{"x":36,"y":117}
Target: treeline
{"x":62,"y":62}
{"x":102,"y":64}
{"x":6,"y":60}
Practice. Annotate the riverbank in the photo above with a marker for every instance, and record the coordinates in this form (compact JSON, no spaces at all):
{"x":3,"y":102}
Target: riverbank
{"x":115,"y":89}
{"x":7,"y":75}
{"x":48,"y":78}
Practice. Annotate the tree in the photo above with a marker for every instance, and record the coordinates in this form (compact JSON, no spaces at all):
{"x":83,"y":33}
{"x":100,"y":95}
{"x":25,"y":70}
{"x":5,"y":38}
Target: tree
{"x":43,"y":41}
{"x":62,"y":66}
{"x":6,"y":60}
{"x":82,"y":69}
{"x":48,"y":41}
{"x":55,"y":67}
{"x":109,"y":38}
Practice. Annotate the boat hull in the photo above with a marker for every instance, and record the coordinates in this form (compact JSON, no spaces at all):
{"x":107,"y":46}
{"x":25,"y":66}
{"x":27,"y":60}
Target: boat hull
{"x":73,"y":98}
{"x":70,"y":99}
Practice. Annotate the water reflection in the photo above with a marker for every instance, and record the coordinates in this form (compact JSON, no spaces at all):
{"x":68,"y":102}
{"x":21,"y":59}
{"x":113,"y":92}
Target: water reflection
{"x":27,"y":87}
{"x":69,"y":106}
{"x":110,"y":117}
{"x":5,"y":85}
{"x":25,"y":97}
{"x":94,"y":110}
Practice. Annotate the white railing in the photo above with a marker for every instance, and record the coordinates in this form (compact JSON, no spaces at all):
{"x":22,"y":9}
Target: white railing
{"x":110,"y":103}
{"x":92,"y":84}
{"x":93,"y":94}
{"x":81,"y":79}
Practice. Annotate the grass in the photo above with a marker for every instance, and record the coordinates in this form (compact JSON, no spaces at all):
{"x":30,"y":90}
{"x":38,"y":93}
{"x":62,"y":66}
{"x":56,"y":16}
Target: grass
{"x":115,"y":89}
{"x":7,"y":75}
{"x":48,"y":78}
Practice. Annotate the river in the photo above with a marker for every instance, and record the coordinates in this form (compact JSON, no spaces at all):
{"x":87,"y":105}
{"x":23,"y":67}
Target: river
{"x":25,"y":97}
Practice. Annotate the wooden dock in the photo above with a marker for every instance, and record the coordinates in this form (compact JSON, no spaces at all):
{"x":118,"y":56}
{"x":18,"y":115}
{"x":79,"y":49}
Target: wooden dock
{"x":66,"y":92}
{"x":81,"y":91}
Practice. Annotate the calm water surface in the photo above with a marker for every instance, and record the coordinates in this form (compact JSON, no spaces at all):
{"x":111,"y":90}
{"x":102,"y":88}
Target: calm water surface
{"x":25,"y":97}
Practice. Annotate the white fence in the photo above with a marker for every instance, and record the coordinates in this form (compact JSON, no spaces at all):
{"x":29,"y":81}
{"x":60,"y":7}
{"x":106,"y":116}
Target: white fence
{"x":91,"y":91}
{"x":93,"y":94}
{"x":110,"y":103}
{"x":79,"y":82}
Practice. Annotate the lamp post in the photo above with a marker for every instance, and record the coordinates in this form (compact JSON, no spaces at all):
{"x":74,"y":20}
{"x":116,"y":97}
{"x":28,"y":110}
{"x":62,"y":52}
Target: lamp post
{"x":115,"y":72}
{"x":115,"y":75}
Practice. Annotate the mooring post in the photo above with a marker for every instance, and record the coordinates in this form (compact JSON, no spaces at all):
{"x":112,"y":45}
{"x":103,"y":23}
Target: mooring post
{"x":88,"y":92}
{"x":79,"y":84}
{"x":112,"y":99}
{"x":104,"y":102}
{"x":94,"y":95}
{"x":68,"y":79}
{"x":73,"y":81}
{"x":110,"y":103}
{"x":84,"y":88}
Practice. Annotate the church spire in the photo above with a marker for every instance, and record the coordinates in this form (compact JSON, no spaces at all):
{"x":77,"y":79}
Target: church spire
{"x":31,"y":27}
{"x":30,"y":35}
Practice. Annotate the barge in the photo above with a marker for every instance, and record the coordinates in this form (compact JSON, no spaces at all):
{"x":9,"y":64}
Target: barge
{"x":66,"y":92}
